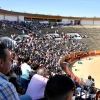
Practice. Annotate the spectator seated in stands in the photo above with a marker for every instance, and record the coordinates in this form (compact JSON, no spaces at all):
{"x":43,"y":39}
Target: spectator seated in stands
{"x":37,"y":85}
{"x":35,"y":68}
{"x":59,"y":72}
{"x":84,"y":92}
{"x":13,"y":78}
{"x":12,"y":74}
{"x":59,"y":87}
{"x":89,"y":81}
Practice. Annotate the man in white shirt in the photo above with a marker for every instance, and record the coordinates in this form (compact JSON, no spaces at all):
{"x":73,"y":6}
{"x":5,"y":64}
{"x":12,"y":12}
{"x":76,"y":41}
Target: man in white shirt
{"x":89,"y":81}
{"x":37,"y":85}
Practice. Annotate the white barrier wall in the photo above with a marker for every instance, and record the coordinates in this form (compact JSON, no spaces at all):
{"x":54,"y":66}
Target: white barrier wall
{"x":86,"y":22}
{"x":21,"y":18}
{"x":1,"y":17}
{"x":65,"y":20}
{"x":11,"y":18}
{"x":97,"y":22}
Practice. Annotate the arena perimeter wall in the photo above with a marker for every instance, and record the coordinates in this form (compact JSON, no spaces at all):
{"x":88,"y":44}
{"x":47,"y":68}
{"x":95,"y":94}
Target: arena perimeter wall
{"x":74,"y":57}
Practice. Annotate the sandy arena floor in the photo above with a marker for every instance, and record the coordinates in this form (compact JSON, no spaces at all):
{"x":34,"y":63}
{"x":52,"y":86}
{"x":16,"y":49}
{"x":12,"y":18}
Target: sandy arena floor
{"x":88,"y":67}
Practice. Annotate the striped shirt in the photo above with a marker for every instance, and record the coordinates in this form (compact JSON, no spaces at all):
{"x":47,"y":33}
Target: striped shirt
{"x":7,"y":90}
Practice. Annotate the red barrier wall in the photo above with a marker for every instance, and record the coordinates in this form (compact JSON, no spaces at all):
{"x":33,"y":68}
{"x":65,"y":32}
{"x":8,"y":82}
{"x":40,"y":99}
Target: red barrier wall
{"x":73,"y":57}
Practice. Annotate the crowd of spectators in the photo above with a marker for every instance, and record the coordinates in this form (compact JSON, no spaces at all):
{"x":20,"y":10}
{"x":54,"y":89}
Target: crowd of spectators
{"x":35,"y":65}
{"x":25,"y":27}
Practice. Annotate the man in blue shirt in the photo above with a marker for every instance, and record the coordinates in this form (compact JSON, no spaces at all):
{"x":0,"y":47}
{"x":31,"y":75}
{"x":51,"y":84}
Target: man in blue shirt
{"x":7,"y":90}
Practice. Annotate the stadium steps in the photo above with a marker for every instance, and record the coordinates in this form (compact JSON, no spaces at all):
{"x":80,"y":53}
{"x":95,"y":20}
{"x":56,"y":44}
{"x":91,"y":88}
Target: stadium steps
{"x":8,"y":31}
{"x":91,"y":41}
{"x":93,"y":36}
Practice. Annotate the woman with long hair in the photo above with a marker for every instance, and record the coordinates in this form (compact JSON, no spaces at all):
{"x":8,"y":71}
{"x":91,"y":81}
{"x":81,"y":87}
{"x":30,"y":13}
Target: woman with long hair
{"x":97,"y":95}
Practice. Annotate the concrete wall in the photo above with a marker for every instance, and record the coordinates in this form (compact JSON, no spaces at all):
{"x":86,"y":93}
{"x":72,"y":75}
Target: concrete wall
{"x":97,"y":22}
{"x":86,"y":22}
{"x":21,"y":18}
{"x":65,"y":20}
{"x":11,"y":18}
{"x":1,"y":17}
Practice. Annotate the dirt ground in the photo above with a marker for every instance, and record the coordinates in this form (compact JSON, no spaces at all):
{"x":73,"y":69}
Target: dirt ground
{"x":88,"y":67}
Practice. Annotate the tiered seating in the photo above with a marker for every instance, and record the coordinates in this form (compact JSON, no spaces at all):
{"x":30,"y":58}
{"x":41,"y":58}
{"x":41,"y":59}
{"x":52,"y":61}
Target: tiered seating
{"x":8,"y":31}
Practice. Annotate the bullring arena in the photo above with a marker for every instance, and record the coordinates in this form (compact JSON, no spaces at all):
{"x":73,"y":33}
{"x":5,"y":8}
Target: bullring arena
{"x":89,"y":64}
{"x":88,"y":67}
{"x":74,"y":36}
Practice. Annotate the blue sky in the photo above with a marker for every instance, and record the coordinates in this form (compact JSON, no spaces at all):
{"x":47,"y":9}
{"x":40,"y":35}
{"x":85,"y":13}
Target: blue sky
{"x":81,"y":8}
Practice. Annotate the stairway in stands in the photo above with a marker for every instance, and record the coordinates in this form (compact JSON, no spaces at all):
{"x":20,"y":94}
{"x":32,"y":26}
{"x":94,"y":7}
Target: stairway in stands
{"x":8,"y":31}
{"x":94,"y":35}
